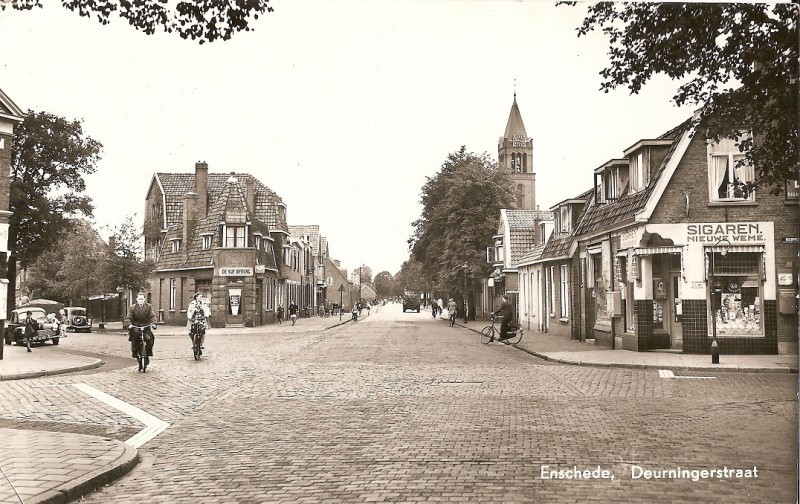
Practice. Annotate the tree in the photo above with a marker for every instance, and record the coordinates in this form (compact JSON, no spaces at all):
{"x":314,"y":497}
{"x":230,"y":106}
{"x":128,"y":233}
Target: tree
{"x":204,"y":20}
{"x":365,"y":274}
{"x":461,"y":209}
{"x":71,"y":269}
{"x":49,"y":157}
{"x":384,"y":284}
{"x":126,"y":266}
{"x":739,"y":62}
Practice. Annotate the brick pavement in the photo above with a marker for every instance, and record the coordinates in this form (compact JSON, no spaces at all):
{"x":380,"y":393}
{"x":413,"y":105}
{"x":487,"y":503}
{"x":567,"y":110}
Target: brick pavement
{"x":404,"y":411}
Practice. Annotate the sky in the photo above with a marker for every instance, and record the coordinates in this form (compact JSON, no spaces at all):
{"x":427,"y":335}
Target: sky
{"x":342,"y":108}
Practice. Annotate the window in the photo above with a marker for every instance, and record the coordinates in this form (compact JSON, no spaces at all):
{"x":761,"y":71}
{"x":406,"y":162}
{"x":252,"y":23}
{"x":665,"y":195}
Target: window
{"x":564,"y":291}
{"x":172,"y":294}
{"x":176,"y":246}
{"x":542,"y":233}
{"x":737,"y":293}
{"x":639,"y":170}
{"x":258,"y":242}
{"x":206,"y":242}
{"x":565,"y":217}
{"x":234,"y":236}
{"x":727,"y":175}
{"x":552,"y":288}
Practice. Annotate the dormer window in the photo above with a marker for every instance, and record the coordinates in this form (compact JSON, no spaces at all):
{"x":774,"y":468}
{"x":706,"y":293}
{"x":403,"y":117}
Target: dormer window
{"x":206,"y":241}
{"x":258,"y":242}
{"x":235,"y":236}
{"x":565,"y":219}
{"x":610,"y":180}
{"x":644,"y":158}
{"x":176,"y":246}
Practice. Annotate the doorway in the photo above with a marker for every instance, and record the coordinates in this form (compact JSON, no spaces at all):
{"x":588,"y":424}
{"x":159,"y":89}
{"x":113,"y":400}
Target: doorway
{"x":676,"y":311}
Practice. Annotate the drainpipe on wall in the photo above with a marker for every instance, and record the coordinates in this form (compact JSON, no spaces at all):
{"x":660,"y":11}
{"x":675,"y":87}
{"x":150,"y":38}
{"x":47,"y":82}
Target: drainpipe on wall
{"x":613,"y":332}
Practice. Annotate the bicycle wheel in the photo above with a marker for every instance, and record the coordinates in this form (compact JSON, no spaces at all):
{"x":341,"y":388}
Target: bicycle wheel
{"x":142,"y":357}
{"x":515,"y":337}
{"x":196,"y":346}
{"x":487,"y":334}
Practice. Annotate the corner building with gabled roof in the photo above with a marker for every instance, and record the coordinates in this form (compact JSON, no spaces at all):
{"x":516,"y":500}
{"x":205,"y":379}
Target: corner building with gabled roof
{"x":215,"y":233}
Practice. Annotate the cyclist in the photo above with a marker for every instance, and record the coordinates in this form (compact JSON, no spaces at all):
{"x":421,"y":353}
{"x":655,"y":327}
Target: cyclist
{"x":140,"y":314}
{"x":507,"y":311}
{"x":198,"y":313}
{"x":280,"y":314}
{"x":293,"y":312}
{"x":434,"y":308}
{"x":451,"y":311}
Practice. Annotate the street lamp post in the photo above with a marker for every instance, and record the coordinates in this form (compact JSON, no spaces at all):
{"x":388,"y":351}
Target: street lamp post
{"x":714,"y":343}
{"x":466,"y":306}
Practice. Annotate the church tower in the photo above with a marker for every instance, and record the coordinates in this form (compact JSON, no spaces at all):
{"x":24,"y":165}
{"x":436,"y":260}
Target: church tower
{"x":515,"y":154}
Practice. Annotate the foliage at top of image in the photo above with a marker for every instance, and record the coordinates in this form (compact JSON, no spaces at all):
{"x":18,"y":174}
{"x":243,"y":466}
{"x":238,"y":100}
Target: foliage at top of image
{"x":201,"y":20}
{"x":737,"y":62}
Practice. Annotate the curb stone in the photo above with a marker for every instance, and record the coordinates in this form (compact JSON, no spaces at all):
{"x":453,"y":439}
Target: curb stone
{"x":51,"y":372}
{"x":92,"y":481}
{"x":728,"y":369}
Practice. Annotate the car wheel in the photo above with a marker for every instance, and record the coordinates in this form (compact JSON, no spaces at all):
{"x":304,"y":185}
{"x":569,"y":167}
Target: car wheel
{"x":417,"y":310}
{"x":54,"y":340}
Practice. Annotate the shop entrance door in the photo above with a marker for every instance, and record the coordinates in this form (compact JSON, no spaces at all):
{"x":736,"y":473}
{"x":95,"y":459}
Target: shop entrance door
{"x":676,"y":309}
{"x":235,"y":306}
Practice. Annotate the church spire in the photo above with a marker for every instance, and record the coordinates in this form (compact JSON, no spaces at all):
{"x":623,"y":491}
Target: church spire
{"x":515,"y":127}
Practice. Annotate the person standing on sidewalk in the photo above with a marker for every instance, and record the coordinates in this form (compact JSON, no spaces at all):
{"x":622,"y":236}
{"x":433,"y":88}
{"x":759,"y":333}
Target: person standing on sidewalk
{"x":280,"y":314}
{"x":30,"y":329}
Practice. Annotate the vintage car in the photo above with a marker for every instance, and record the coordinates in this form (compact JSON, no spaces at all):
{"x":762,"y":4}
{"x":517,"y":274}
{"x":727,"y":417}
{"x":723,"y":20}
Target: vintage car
{"x":77,"y":319}
{"x":45,"y":329}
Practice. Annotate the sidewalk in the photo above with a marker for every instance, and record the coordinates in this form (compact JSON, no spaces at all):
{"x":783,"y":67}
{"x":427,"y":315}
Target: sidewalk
{"x":560,"y":349}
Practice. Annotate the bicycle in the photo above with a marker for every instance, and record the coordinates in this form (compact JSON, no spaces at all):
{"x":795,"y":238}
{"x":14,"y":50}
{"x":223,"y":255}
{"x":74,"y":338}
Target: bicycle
{"x":491,"y":333}
{"x":452,"y":317}
{"x":141,"y":353}
{"x":198,"y":331}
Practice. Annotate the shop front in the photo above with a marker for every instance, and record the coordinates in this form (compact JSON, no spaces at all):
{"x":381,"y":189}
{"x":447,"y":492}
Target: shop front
{"x":692,"y":282}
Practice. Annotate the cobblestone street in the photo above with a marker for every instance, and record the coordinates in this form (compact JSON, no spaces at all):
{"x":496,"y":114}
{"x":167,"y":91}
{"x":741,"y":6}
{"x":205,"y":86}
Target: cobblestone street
{"x":402,"y":408}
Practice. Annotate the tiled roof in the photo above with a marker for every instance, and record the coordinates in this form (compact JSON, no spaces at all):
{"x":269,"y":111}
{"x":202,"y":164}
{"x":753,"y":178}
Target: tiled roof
{"x":312,"y":230}
{"x":557,"y":246}
{"x":231,"y":197}
{"x":596,"y":217}
{"x":522,"y":230}
{"x":176,"y":185}
{"x":531,"y":255}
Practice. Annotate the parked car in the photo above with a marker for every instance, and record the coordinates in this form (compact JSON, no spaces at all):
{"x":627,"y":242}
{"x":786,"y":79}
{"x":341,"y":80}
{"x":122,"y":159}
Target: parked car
{"x":77,"y":319}
{"x":411,"y":303}
{"x":45,"y":330}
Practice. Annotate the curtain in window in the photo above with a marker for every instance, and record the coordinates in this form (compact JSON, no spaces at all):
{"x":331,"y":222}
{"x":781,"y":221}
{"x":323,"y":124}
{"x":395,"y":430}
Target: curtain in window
{"x":719,"y":167}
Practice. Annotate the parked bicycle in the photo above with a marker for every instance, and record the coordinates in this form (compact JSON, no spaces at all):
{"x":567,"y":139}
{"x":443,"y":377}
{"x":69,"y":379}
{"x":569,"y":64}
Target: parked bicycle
{"x":141,"y":350}
{"x":491,"y":333}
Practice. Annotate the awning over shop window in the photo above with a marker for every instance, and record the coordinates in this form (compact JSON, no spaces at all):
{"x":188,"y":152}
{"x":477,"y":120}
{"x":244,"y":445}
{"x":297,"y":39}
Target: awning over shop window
{"x":736,"y":248}
{"x":658,"y":250}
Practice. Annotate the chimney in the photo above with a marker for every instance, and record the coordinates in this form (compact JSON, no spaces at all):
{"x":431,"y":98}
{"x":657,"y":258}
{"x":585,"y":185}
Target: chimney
{"x":251,"y":196}
{"x":189,"y":218}
{"x":201,"y":187}
{"x":338,"y":263}
{"x":112,"y":243}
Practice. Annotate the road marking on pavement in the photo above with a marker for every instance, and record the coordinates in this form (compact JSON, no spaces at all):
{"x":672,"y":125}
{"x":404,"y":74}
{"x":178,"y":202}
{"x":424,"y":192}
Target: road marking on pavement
{"x":153,"y":426}
{"x":666,"y":373}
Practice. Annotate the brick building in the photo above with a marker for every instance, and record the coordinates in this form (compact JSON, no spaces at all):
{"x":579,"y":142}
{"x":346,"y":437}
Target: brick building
{"x":669,"y":239}
{"x":224,"y":235}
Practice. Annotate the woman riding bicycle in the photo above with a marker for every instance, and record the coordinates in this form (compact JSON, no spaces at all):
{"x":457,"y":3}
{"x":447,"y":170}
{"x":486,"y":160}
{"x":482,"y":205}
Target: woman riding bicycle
{"x":198,"y":313}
